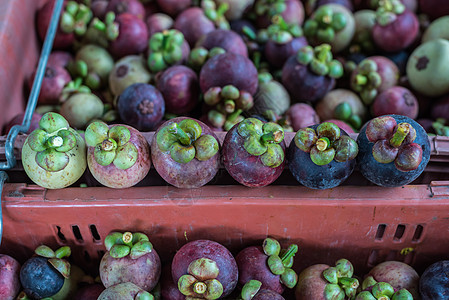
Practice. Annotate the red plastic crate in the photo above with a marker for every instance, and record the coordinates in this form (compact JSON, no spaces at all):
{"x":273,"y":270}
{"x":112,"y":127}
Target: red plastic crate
{"x":366,"y":224}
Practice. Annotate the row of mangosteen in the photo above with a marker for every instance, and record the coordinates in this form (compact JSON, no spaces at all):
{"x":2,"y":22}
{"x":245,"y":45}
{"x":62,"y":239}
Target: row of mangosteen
{"x":131,"y":269}
{"x":390,"y":150}
{"x":272,"y":53}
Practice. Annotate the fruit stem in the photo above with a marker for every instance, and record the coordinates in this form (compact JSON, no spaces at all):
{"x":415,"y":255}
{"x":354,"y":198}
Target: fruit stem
{"x":323,"y":143}
{"x":249,"y":33}
{"x":399,"y":135}
{"x":107,"y":145}
{"x":199,"y":287}
{"x":127,"y":238}
{"x":291,"y":251}
{"x":271,"y":137}
{"x":182,"y":136}
{"x":55,"y":141}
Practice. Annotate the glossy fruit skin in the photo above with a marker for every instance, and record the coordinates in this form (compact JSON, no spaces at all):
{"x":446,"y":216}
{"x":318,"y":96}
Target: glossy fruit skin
{"x":9,"y":277}
{"x":229,"y":68}
{"x":264,"y":294}
{"x":193,"y":174}
{"x":144,"y":272}
{"x":122,"y":291}
{"x":252,"y":263}
{"x":226,"y":39}
{"x":228,"y":271}
{"x":302,"y":84}
{"x":62,"y":40}
{"x":60,"y":179}
{"x":277,"y":54}
{"x":39,"y":278}
{"x":400,"y":275}
{"x":133,"y":7}
{"x":141,"y":106}
{"x":113,"y":177}
{"x":193,"y":24}
{"x":434,"y":281}
{"x":132,"y":38}
{"x":397,"y":35}
{"x":311,"y":283}
{"x":302,"y":115}
{"x":396,"y":100}
{"x":180,"y":88}
{"x":54,"y":81}
{"x":247,"y":169}
{"x":387,"y":174}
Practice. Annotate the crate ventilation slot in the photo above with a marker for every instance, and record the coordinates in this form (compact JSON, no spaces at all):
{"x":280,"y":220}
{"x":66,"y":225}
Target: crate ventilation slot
{"x":95,"y":234}
{"x":77,"y":233}
{"x":60,"y":235}
{"x":418,"y":233}
{"x":400,"y":230}
{"x":380,"y":231}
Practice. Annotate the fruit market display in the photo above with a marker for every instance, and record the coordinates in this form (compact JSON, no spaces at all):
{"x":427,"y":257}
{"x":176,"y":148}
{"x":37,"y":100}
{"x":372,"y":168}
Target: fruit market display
{"x":188,"y":90}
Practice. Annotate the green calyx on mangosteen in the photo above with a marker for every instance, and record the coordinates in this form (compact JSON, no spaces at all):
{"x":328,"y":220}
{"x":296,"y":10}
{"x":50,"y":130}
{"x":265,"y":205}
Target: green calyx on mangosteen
{"x":320,"y":60}
{"x":326,"y":144}
{"x":367,"y":80}
{"x":75,"y":17}
{"x":381,"y":290}
{"x":324,"y":24}
{"x":201,"y":282}
{"x":122,"y":244}
{"x":262,"y":139}
{"x":394,"y":143}
{"x":111,"y":145}
{"x":51,"y":141}
{"x":184,"y":141}
{"x":340,"y":281}
{"x":250,"y":289}
{"x":281,"y":32}
{"x":388,"y":10}
{"x":280,"y":261}
{"x":56,"y":258}
{"x":165,"y":49}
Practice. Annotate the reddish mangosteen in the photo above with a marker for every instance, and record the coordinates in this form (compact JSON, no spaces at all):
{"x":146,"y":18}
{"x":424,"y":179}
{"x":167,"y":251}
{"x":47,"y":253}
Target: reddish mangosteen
{"x":98,"y":8}
{"x":302,"y":115}
{"x":434,"y":8}
{"x":322,"y":156}
{"x":142,"y":106}
{"x":253,"y":152}
{"x":398,"y":274}
{"x":292,"y":11}
{"x":134,"y":7}
{"x":167,"y":48}
{"x":55,"y":79}
{"x":118,"y":156}
{"x":62,"y":39}
{"x":174,"y":7}
{"x":43,"y":275}
{"x":9,"y":277}
{"x":372,"y":76}
{"x":396,"y":27}
{"x":180,"y":88}
{"x":193,"y":23}
{"x":324,"y":282}
{"x":223,"y":38}
{"x":395,"y":100}
{"x":284,"y":40}
{"x":393,"y":150}
{"x":132,"y":36}
{"x":268,"y":264}
{"x":18,"y":119}
{"x":185,"y":152}
{"x":311,"y":73}
{"x":332,"y":24}
{"x":204,"y":269}
{"x":89,"y":292}
{"x":253,"y":290}
{"x":169,"y":289}
{"x":59,"y":58}
{"x":158,"y":22}
{"x":130,"y":257}
{"x":229,"y":68}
